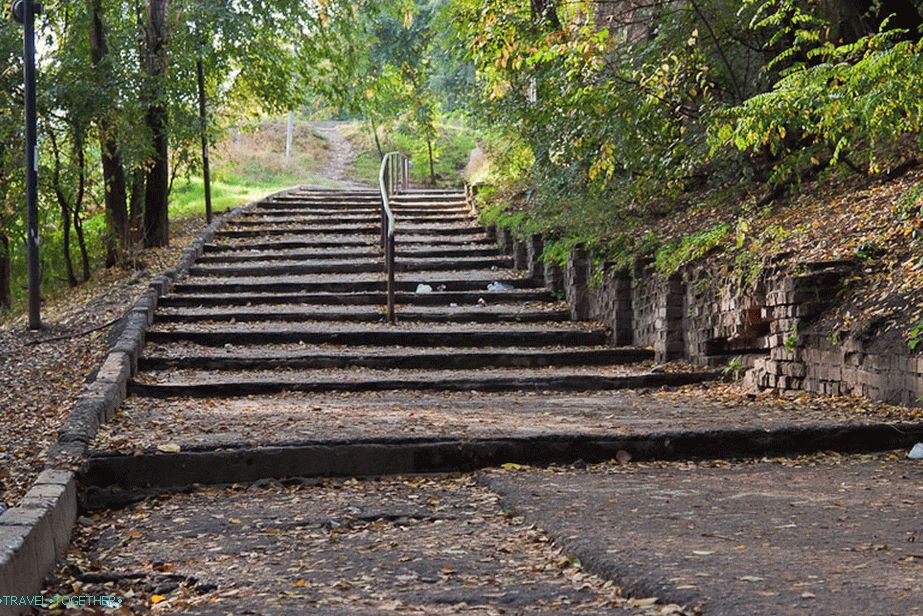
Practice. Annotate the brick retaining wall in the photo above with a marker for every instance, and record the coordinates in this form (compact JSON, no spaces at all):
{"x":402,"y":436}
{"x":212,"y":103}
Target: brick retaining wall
{"x":771,"y":327}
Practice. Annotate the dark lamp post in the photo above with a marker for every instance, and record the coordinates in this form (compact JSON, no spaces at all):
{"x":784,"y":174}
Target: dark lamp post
{"x":24,"y":12}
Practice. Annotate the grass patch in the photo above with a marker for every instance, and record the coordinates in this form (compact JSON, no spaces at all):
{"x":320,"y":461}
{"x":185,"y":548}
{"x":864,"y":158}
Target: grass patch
{"x":248,"y":165}
{"x":451,"y":149}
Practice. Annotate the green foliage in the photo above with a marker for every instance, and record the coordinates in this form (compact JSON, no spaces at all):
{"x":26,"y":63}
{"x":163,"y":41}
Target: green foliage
{"x":791,"y":339}
{"x":915,"y":339}
{"x":909,"y":205}
{"x":672,"y":256}
{"x":452,"y":144}
{"x":859,"y":96}
{"x":734,"y":365}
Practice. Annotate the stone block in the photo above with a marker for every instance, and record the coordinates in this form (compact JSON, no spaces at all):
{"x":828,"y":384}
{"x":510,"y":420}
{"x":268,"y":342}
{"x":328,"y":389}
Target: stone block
{"x":576,"y":283}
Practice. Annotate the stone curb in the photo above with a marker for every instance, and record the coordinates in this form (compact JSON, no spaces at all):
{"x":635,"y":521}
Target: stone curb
{"x":116,"y":476}
{"x":38,"y":529}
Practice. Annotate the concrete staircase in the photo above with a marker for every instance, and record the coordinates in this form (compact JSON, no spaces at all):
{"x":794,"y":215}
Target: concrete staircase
{"x":290,"y":295}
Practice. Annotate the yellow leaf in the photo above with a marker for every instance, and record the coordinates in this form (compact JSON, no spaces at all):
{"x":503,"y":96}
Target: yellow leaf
{"x":511,"y":466}
{"x":155,"y":599}
{"x":299,"y":583}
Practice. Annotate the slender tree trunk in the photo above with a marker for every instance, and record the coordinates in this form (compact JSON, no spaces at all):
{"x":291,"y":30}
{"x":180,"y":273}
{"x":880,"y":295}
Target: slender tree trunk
{"x":381,"y":153}
{"x":117,"y":236}
{"x":156,"y":222}
{"x":203,"y":127}
{"x":136,"y":205}
{"x":432,"y":169}
{"x":78,"y":206}
{"x":65,"y":210}
{"x":6,"y":295}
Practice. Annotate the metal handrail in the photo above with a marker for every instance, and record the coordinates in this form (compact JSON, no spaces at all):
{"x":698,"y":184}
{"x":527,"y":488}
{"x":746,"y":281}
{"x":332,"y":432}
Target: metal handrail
{"x":393,"y":176}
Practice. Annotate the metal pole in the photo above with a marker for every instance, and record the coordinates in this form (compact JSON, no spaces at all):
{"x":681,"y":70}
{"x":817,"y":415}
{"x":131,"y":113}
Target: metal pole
{"x":203,"y":122}
{"x":32,"y":257}
{"x":389,"y":258}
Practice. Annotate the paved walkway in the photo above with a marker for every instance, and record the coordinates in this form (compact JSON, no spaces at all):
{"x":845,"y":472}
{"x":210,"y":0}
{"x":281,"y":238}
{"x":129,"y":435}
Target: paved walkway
{"x":271,"y":360}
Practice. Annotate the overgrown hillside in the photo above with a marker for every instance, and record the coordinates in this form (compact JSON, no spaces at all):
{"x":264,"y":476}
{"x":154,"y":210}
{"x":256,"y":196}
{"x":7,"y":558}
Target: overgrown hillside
{"x":451,"y":148}
{"x":742,"y":133}
{"x":247,"y":165}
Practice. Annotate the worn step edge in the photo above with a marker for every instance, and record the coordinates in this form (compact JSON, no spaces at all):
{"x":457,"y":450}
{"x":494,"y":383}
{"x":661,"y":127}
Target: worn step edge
{"x":577,"y":382}
{"x":109,"y":476}
{"x":245,"y":256}
{"x":344,"y":286}
{"x":385,"y":337}
{"x":468,"y":316}
{"x":405,"y":361}
{"x":372,"y":218}
{"x":298,"y":269}
{"x":356,"y":299}
{"x":372,"y":240}
{"x":233,"y":232}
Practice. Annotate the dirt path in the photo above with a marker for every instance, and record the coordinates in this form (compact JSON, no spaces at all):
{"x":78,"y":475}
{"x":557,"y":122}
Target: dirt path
{"x":342,"y":154}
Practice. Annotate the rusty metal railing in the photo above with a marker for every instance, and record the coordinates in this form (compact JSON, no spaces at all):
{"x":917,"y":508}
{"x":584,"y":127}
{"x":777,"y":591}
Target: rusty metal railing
{"x":393,"y":177}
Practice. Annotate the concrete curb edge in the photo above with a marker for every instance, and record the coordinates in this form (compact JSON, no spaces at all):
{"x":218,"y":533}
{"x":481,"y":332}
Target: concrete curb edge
{"x":38,"y":529}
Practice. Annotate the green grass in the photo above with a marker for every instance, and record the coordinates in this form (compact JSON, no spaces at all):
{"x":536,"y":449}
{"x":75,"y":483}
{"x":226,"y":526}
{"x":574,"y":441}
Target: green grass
{"x":451,"y":150}
{"x":249,"y":168}
{"x":188,"y":196}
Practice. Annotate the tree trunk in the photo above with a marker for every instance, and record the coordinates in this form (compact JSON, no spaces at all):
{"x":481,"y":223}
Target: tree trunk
{"x":6,"y":296}
{"x":203,"y":127}
{"x":65,"y":210}
{"x":381,"y":153}
{"x":78,"y":206}
{"x":136,"y":205}
{"x":156,"y":223}
{"x":432,"y":169}
{"x":113,"y":174}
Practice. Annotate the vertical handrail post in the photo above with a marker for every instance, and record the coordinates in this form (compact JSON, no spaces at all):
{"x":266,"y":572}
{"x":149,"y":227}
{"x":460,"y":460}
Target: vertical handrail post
{"x":389,"y":257}
{"x":390,"y":177}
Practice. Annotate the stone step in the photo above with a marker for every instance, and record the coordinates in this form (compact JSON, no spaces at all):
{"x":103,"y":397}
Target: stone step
{"x":295,"y":314}
{"x":414,"y":358}
{"x":326,"y":208}
{"x":461,"y":335}
{"x":367,"y":266}
{"x":372,"y":218}
{"x":341,"y":198}
{"x":244,"y":256}
{"x":290,"y":244}
{"x":431,"y":199}
{"x":320,"y":230}
{"x":189,"y":299}
{"x":350,"y":285}
{"x":178,"y":383}
{"x":404,"y":244}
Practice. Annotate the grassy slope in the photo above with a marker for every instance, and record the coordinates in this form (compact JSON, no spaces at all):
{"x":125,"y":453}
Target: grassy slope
{"x":877,"y":222}
{"x":246,"y":167}
{"x":451,"y":150}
